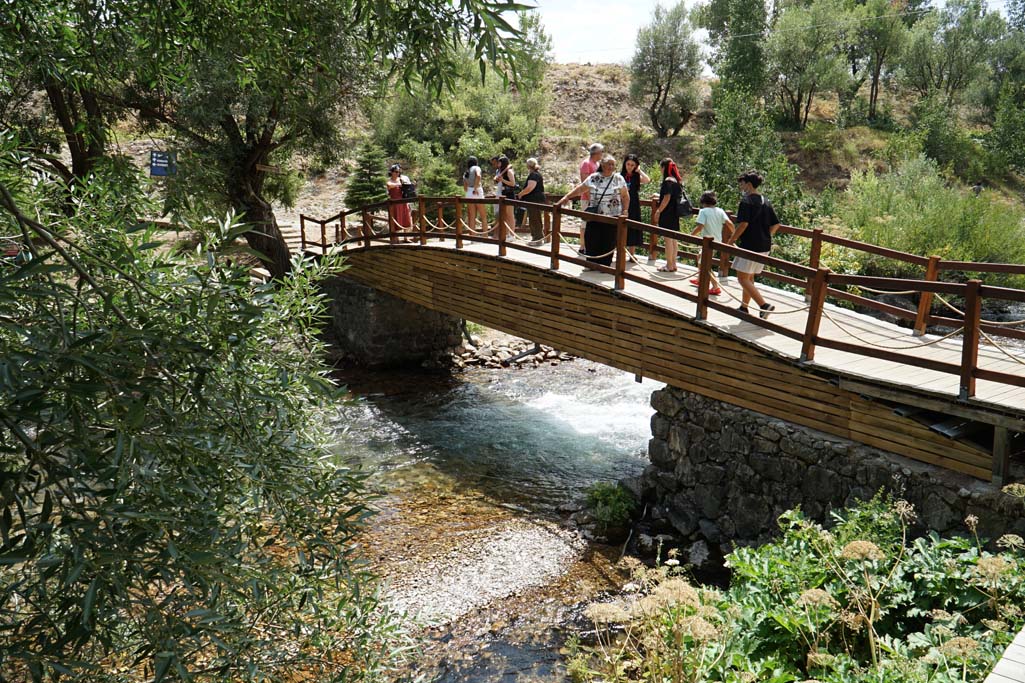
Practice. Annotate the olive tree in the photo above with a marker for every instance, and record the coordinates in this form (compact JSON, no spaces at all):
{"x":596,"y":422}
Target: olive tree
{"x":946,"y":49}
{"x":804,"y":56}
{"x":665,"y":68}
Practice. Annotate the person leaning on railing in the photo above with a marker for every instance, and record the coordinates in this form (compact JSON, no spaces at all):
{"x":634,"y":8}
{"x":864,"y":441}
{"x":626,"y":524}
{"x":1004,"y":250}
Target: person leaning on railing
{"x":667,"y":211}
{"x":534,"y":191}
{"x":756,"y":224}
{"x":608,"y":197}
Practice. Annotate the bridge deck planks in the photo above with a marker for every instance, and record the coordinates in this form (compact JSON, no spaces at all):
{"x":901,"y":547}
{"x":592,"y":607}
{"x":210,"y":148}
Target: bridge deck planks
{"x":651,"y":332}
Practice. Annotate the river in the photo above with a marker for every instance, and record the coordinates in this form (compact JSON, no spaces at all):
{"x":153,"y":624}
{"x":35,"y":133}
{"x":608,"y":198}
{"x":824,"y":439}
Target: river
{"x":478,"y":473}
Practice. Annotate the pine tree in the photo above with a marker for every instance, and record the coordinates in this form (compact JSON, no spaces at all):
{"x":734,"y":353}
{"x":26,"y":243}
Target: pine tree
{"x":366,"y":184}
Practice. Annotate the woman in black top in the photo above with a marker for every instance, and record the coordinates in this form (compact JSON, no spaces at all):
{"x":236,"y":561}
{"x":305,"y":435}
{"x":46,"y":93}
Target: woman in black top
{"x":667,"y":214}
{"x":756,"y":224}
{"x":634,"y":177}
{"x":534,"y":191}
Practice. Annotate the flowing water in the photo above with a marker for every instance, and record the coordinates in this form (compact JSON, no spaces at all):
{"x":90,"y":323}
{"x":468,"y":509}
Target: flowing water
{"x":477,"y":473}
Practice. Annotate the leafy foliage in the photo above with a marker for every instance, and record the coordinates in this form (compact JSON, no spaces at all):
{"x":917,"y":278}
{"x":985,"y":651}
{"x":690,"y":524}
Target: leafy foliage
{"x":804,"y":56}
{"x":855,"y":603}
{"x":167,"y":508}
{"x":913,"y":209}
{"x":737,"y":30}
{"x":665,"y":68}
{"x":741,"y":139}
{"x":611,"y":504}
{"x":946,"y":49}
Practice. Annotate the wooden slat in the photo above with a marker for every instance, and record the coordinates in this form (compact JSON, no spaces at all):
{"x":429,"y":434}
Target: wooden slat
{"x":724,"y":358}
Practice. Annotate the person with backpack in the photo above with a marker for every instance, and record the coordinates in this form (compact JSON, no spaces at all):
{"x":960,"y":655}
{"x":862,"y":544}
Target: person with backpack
{"x":399,"y":187}
{"x":667,"y":213}
{"x":756,"y":224}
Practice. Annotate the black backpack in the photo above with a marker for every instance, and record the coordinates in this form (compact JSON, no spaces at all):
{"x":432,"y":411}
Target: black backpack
{"x":408,"y":188}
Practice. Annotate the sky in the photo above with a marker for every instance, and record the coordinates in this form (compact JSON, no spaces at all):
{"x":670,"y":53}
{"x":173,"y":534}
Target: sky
{"x":596,"y":31}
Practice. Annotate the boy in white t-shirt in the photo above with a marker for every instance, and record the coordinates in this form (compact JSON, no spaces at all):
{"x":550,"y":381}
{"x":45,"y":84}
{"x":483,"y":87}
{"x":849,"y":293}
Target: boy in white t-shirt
{"x":710,"y":221}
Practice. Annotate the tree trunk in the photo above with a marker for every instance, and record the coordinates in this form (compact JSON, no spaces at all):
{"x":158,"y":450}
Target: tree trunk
{"x":264,"y":236}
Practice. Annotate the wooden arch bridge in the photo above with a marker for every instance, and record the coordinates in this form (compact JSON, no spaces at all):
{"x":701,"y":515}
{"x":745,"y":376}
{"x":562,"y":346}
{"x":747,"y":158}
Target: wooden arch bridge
{"x":954,"y":399}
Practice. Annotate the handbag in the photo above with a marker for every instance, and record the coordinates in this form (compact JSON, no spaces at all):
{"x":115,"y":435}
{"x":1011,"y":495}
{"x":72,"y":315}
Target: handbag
{"x":684,"y":208}
{"x":408,"y":188}
{"x":596,"y":208}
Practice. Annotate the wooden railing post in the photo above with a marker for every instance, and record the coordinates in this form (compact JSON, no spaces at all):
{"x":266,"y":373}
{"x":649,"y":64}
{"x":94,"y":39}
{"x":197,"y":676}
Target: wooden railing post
{"x":970,"y":338}
{"x":340,"y":229}
{"x":501,"y":226}
{"x":925,"y":298}
{"x":393,"y":225}
{"x":441,"y":222}
{"x":813,"y":258}
{"x":421,"y":220}
{"x":818,"y":286}
{"x":546,"y":224}
{"x":459,"y":224}
{"x":556,"y":235}
{"x":620,"y":281}
{"x":323,"y":237}
{"x":653,"y":242}
{"x":704,"y":277}
{"x":302,"y":232}
{"x":368,"y":228}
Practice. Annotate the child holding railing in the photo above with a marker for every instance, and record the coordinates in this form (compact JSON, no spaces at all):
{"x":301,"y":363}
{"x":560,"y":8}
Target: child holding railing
{"x":711,"y":219}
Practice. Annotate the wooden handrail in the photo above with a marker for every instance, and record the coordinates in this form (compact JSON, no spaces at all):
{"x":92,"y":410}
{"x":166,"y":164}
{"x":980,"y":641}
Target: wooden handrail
{"x":818,"y":283}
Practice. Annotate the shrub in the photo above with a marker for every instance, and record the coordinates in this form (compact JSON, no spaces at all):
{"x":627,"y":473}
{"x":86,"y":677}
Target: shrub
{"x":610,"y":504}
{"x":860,"y":601}
{"x":912,"y":209}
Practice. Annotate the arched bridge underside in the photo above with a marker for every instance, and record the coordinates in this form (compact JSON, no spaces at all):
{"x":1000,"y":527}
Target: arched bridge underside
{"x":881,"y":403}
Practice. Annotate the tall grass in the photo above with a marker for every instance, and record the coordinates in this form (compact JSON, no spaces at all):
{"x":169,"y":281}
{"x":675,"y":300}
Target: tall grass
{"x":914,"y":209}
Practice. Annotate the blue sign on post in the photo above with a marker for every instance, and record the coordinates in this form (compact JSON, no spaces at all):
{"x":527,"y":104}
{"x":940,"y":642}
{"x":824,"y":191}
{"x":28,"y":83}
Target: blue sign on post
{"x":161,"y":164}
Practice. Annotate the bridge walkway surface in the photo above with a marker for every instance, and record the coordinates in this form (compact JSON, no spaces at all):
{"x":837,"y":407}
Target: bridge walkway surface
{"x":953,"y":398}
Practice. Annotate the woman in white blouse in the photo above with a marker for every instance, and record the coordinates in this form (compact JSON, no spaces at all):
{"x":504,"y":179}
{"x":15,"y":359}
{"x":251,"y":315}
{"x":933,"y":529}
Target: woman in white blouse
{"x":609,"y":196}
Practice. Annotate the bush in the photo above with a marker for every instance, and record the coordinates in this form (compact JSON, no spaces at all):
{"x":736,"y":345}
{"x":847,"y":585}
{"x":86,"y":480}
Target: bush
{"x":366,"y":185}
{"x":610,"y":504}
{"x":860,"y":601}
{"x":912,"y":209}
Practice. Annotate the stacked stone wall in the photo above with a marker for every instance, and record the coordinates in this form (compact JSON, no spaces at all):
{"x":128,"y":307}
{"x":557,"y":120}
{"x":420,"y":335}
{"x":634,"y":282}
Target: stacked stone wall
{"x":724,"y":474}
{"x":374,"y":329}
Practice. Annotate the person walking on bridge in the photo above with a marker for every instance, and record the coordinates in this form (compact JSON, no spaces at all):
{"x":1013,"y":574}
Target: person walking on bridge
{"x":634,"y":176}
{"x":609,"y":197}
{"x":667,"y":211}
{"x":756,"y":224}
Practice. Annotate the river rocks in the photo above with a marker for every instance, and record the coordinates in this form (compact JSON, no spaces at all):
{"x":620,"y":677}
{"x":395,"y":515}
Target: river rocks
{"x":724,"y":474}
{"x":505,"y":352}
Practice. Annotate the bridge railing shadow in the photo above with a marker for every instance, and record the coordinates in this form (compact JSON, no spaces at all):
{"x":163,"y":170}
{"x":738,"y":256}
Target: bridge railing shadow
{"x":443,"y":218}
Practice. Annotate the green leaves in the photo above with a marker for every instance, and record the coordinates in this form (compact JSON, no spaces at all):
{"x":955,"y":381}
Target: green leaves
{"x":157,"y":431}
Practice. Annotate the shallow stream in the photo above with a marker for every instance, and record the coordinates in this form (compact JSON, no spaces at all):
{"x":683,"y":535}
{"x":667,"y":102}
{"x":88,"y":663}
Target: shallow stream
{"x":479,"y":472}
